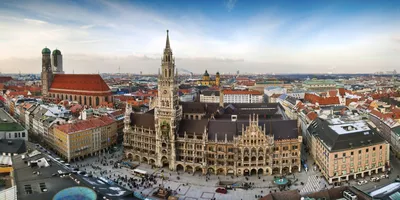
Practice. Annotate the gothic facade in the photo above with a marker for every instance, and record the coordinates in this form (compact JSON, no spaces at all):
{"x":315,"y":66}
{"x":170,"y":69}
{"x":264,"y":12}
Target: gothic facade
{"x":236,"y":139}
{"x":85,"y":89}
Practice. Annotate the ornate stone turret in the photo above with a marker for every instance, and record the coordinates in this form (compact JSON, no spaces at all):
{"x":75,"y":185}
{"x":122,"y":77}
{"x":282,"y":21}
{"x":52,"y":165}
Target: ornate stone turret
{"x":167,"y":111}
{"x":127,"y":125}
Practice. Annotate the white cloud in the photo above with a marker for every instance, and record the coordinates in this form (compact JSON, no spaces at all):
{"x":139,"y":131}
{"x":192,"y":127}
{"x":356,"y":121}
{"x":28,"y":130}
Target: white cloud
{"x":35,"y":21}
{"x":230,"y":4}
{"x":87,"y":26}
{"x":265,"y":41}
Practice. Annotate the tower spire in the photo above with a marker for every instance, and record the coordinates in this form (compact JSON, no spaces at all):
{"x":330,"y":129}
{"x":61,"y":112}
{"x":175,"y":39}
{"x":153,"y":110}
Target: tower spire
{"x":167,"y":46}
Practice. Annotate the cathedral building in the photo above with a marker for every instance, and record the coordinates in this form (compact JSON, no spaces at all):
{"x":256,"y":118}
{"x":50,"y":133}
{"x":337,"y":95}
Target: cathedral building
{"x":206,"y":80}
{"x":218,"y":138}
{"x":86,"y":89}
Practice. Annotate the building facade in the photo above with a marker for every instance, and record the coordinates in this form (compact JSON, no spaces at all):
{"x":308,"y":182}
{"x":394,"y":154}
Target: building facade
{"x":210,"y":96}
{"x":86,"y":89}
{"x":388,"y":129}
{"x":346,"y":150}
{"x":208,"y":81}
{"x":235,"y":139}
{"x":242,"y":96}
{"x":10,"y":128}
{"x":84,"y":138}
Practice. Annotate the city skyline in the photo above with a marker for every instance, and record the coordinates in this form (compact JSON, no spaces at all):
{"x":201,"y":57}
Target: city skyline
{"x":340,"y":37}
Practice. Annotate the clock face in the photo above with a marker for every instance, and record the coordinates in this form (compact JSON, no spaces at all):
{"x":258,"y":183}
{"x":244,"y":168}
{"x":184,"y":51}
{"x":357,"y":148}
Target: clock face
{"x":165,"y":92}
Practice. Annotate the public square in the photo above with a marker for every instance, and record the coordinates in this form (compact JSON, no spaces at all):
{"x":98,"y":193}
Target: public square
{"x":188,"y":186}
{"x":195,"y":186}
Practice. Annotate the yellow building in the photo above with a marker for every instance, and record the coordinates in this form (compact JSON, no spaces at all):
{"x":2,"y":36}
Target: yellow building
{"x":206,"y":80}
{"x":347,"y":150}
{"x":85,"y":138}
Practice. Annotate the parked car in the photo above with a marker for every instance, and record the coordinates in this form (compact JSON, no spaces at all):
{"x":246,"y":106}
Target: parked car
{"x":384,"y":176}
{"x":374,"y":179}
{"x":81,"y":172}
{"x":362,"y":182}
{"x":221,"y":190}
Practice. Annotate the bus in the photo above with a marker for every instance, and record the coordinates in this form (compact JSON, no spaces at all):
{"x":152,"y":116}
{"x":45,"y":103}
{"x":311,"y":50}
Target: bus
{"x":349,"y":195}
{"x":139,"y":172}
{"x":109,"y":182}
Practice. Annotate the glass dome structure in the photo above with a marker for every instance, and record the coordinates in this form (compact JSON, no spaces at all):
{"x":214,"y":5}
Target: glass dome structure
{"x":76,"y":193}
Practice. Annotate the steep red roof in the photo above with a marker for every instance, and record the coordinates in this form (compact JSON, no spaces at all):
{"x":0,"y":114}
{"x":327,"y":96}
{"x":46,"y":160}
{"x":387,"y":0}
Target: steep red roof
{"x":332,"y":93}
{"x":79,"y":84}
{"x":312,"y":115}
{"x":342,"y":92}
{"x":348,"y":101}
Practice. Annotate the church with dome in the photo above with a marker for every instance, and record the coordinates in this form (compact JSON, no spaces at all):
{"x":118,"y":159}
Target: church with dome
{"x":85,"y":89}
{"x":208,"y":81}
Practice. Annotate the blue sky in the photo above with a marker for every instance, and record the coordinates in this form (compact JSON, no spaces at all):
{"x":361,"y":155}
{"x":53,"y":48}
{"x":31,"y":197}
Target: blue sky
{"x":254,"y":36}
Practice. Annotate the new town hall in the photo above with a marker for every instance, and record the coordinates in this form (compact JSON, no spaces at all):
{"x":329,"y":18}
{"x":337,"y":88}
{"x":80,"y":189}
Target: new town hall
{"x":235,"y":139}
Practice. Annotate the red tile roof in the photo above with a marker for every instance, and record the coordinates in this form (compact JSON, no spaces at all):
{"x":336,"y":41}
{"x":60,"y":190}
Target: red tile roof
{"x":19,"y":93}
{"x":312,"y":115}
{"x":342,"y":92}
{"x":83,"y":84}
{"x":275,"y":95}
{"x":348,"y":101}
{"x":5,"y":79}
{"x":332,"y":93}
{"x":85,"y":124}
{"x":321,"y":100}
{"x":76,"y":108}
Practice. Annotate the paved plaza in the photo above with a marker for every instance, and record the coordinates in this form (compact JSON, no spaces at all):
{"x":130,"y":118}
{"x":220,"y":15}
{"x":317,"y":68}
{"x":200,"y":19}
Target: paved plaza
{"x":196,"y":186}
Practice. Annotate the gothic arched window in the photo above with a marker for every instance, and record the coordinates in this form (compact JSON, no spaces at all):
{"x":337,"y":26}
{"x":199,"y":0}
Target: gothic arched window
{"x":97,"y":101}
{"x":90,"y":101}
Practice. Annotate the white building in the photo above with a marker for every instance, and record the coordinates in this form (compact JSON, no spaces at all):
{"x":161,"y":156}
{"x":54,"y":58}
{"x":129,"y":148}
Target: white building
{"x":10,"y":128}
{"x":210,"y":96}
{"x":240,"y":96}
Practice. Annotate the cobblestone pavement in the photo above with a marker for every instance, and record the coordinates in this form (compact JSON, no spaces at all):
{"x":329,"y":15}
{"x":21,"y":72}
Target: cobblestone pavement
{"x":195,"y":186}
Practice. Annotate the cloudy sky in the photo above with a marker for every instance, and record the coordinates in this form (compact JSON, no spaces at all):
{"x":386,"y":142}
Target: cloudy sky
{"x":224,"y":35}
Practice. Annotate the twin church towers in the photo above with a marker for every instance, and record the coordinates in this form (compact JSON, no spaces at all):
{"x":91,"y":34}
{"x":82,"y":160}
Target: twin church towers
{"x":51,"y":64}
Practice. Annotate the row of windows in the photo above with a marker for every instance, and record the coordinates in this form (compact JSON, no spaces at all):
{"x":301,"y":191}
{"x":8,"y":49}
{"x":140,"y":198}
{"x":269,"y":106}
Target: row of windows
{"x":17,"y":135}
{"x":359,"y":152}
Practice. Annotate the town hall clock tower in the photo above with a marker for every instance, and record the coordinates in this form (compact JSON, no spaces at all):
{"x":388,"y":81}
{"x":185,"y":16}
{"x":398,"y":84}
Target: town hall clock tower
{"x":168,"y":112}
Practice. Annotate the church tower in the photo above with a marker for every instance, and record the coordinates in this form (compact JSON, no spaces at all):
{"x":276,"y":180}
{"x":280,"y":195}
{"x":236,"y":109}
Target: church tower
{"x":168,"y":112}
{"x":57,"y":62}
{"x":47,"y":72}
